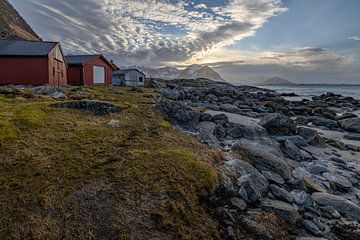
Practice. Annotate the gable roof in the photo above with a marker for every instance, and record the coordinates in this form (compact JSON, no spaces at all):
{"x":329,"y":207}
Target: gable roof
{"x":76,"y":60}
{"x":125,"y":71}
{"x":25,"y":48}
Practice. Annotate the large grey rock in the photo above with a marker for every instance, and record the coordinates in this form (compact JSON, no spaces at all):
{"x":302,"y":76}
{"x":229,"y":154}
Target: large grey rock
{"x":238,"y":203}
{"x":95,"y":106}
{"x":277,"y":124}
{"x":312,"y":186}
{"x":300,"y":173}
{"x":318,"y":168}
{"x":250,"y":179}
{"x":293,"y":151}
{"x":312,"y":228}
{"x":301,"y":198}
{"x":351,"y":125}
{"x":281,"y":193}
{"x":342,"y":205}
{"x":263,"y":160}
{"x":310,"y":135}
{"x":337,"y":181}
{"x":325,"y":122}
{"x":273,"y":177}
{"x":178,"y":112}
{"x":282,"y":209}
{"x":229,"y":108}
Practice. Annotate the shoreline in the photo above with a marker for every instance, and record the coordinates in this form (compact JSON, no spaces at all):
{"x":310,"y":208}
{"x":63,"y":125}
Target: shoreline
{"x":293,"y":159}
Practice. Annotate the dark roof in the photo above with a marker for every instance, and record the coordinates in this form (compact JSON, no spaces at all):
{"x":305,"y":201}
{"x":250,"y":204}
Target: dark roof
{"x":25,"y":48}
{"x":125,"y":71}
{"x":81,"y":59}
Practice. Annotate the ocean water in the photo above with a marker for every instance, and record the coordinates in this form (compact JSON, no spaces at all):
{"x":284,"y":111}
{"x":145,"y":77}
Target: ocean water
{"x":309,"y":91}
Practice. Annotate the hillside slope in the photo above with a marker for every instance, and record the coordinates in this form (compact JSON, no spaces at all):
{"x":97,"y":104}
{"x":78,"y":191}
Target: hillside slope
{"x":277,"y":81}
{"x":12,"y":25}
{"x":69,"y":174}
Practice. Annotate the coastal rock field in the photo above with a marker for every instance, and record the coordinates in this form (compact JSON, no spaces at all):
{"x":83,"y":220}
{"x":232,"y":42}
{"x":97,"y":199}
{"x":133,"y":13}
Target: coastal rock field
{"x":292,"y":168}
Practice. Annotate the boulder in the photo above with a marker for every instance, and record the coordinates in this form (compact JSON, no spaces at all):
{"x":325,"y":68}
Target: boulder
{"x":325,"y":122}
{"x":281,"y":193}
{"x":284,"y":210}
{"x":312,"y":228}
{"x":219,"y":118}
{"x":95,"y":106}
{"x":310,"y":135}
{"x":301,"y":198}
{"x":263,"y":160}
{"x":238,"y":203}
{"x":292,"y":151}
{"x":273,"y":177}
{"x":342,"y":205}
{"x":178,"y":113}
{"x":312,"y":186}
{"x":352,"y":136}
{"x":250,"y":179}
{"x":277,"y":124}
{"x":318,"y":168}
{"x":351,"y":124}
{"x":229,"y":108}
{"x":338,"y":182}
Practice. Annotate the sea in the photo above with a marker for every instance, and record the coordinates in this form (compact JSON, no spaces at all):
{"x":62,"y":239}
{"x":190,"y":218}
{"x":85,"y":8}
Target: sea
{"x":309,"y":91}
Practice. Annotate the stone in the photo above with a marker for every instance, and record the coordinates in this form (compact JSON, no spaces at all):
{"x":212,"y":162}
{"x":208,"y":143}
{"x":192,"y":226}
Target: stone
{"x":318,"y":168}
{"x":301,"y":198}
{"x":312,"y":228}
{"x":250,"y":179}
{"x":243,"y":194}
{"x":281,"y":193}
{"x":58,"y":95}
{"x":292,"y":151}
{"x":205,"y":117}
{"x":330,"y":212}
{"x":273,"y":177}
{"x":321,"y":121}
{"x":312,"y":186}
{"x":310,"y":135}
{"x":300,"y":173}
{"x":306,"y":156}
{"x":277,"y":124}
{"x":337,"y":181}
{"x":113,"y":123}
{"x":263,"y":160}
{"x":238,"y":203}
{"x":352,"y":136}
{"x":95,"y":106}
{"x":340,"y":204}
{"x":345,"y":116}
{"x":220,"y":132}
{"x":351,"y":124}
{"x":229,"y":108}
{"x":220,"y":119}
{"x":230,"y":234}
{"x":284,"y":210}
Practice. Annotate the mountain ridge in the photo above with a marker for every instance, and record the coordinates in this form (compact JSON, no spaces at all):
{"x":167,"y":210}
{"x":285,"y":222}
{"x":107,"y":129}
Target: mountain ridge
{"x":191,"y":72}
{"x":13,"y":25}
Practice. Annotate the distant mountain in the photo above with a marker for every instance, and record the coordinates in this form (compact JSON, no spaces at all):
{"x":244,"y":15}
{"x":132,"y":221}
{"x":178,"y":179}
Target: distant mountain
{"x":12,"y":25}
{"x":277,"y":81}
{"x":191,"y":72}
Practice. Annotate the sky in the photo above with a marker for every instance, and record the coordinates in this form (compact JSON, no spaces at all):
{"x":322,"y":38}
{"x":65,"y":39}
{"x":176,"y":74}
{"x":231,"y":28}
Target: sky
{"x":246,"y":41}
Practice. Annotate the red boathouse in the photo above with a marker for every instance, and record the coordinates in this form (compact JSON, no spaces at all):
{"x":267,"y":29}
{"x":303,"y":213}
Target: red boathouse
{"x":89,"y":69}
{"x":32,"y":63}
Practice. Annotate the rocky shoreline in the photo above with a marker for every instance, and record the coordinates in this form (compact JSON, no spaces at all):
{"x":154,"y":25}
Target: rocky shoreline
{"x":292,"y":168}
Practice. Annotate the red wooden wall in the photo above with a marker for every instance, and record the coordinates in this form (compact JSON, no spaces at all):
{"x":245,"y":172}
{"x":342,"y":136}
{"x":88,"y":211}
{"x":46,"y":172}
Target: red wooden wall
{"x":57,"y":70}
{"x":24,"y":70}
{"x":75,"y":75}
{"x":88,"y":70}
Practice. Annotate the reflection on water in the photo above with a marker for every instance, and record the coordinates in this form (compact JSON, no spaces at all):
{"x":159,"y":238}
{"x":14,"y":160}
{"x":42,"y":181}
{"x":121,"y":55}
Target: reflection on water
{"x":309,"y":91}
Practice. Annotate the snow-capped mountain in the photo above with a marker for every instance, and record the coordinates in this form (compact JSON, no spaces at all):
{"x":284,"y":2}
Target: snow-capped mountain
{"x":191,"y":72}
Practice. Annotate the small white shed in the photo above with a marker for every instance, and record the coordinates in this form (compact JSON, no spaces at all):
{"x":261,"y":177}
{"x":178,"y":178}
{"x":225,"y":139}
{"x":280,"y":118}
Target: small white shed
{"x":128,"y":77}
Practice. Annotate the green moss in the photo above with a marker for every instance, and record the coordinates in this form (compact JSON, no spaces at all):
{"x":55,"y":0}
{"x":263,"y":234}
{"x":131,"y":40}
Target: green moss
{"x":7,"y":131}
{"x":30,"y":117}
{"x":69,"y":175}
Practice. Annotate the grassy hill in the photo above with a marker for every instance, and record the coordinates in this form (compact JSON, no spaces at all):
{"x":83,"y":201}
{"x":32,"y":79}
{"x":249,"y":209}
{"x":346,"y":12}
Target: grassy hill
{"x":12,"y":25}
{"x":68,"y":174}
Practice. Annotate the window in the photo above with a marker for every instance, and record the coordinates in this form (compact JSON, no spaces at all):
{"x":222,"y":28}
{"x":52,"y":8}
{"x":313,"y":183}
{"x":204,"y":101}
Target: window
{"x":58,"y":55}
{"x":141,"y":79}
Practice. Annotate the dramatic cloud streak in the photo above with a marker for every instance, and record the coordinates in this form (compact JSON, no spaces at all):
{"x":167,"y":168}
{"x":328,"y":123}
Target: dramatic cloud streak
{"x":356,"y":38}
{"x":144,"y":31}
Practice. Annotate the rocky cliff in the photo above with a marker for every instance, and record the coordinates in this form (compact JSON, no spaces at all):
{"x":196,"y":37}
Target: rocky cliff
{"x":12,"y":25}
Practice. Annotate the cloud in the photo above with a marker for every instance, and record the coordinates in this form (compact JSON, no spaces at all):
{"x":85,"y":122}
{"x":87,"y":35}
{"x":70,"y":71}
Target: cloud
{"x":147,"y":31}
{"x":355,"y":38}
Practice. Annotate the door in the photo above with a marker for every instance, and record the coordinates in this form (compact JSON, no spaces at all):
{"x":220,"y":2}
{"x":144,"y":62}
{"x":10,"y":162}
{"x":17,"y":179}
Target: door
{"x":99,"y":75}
